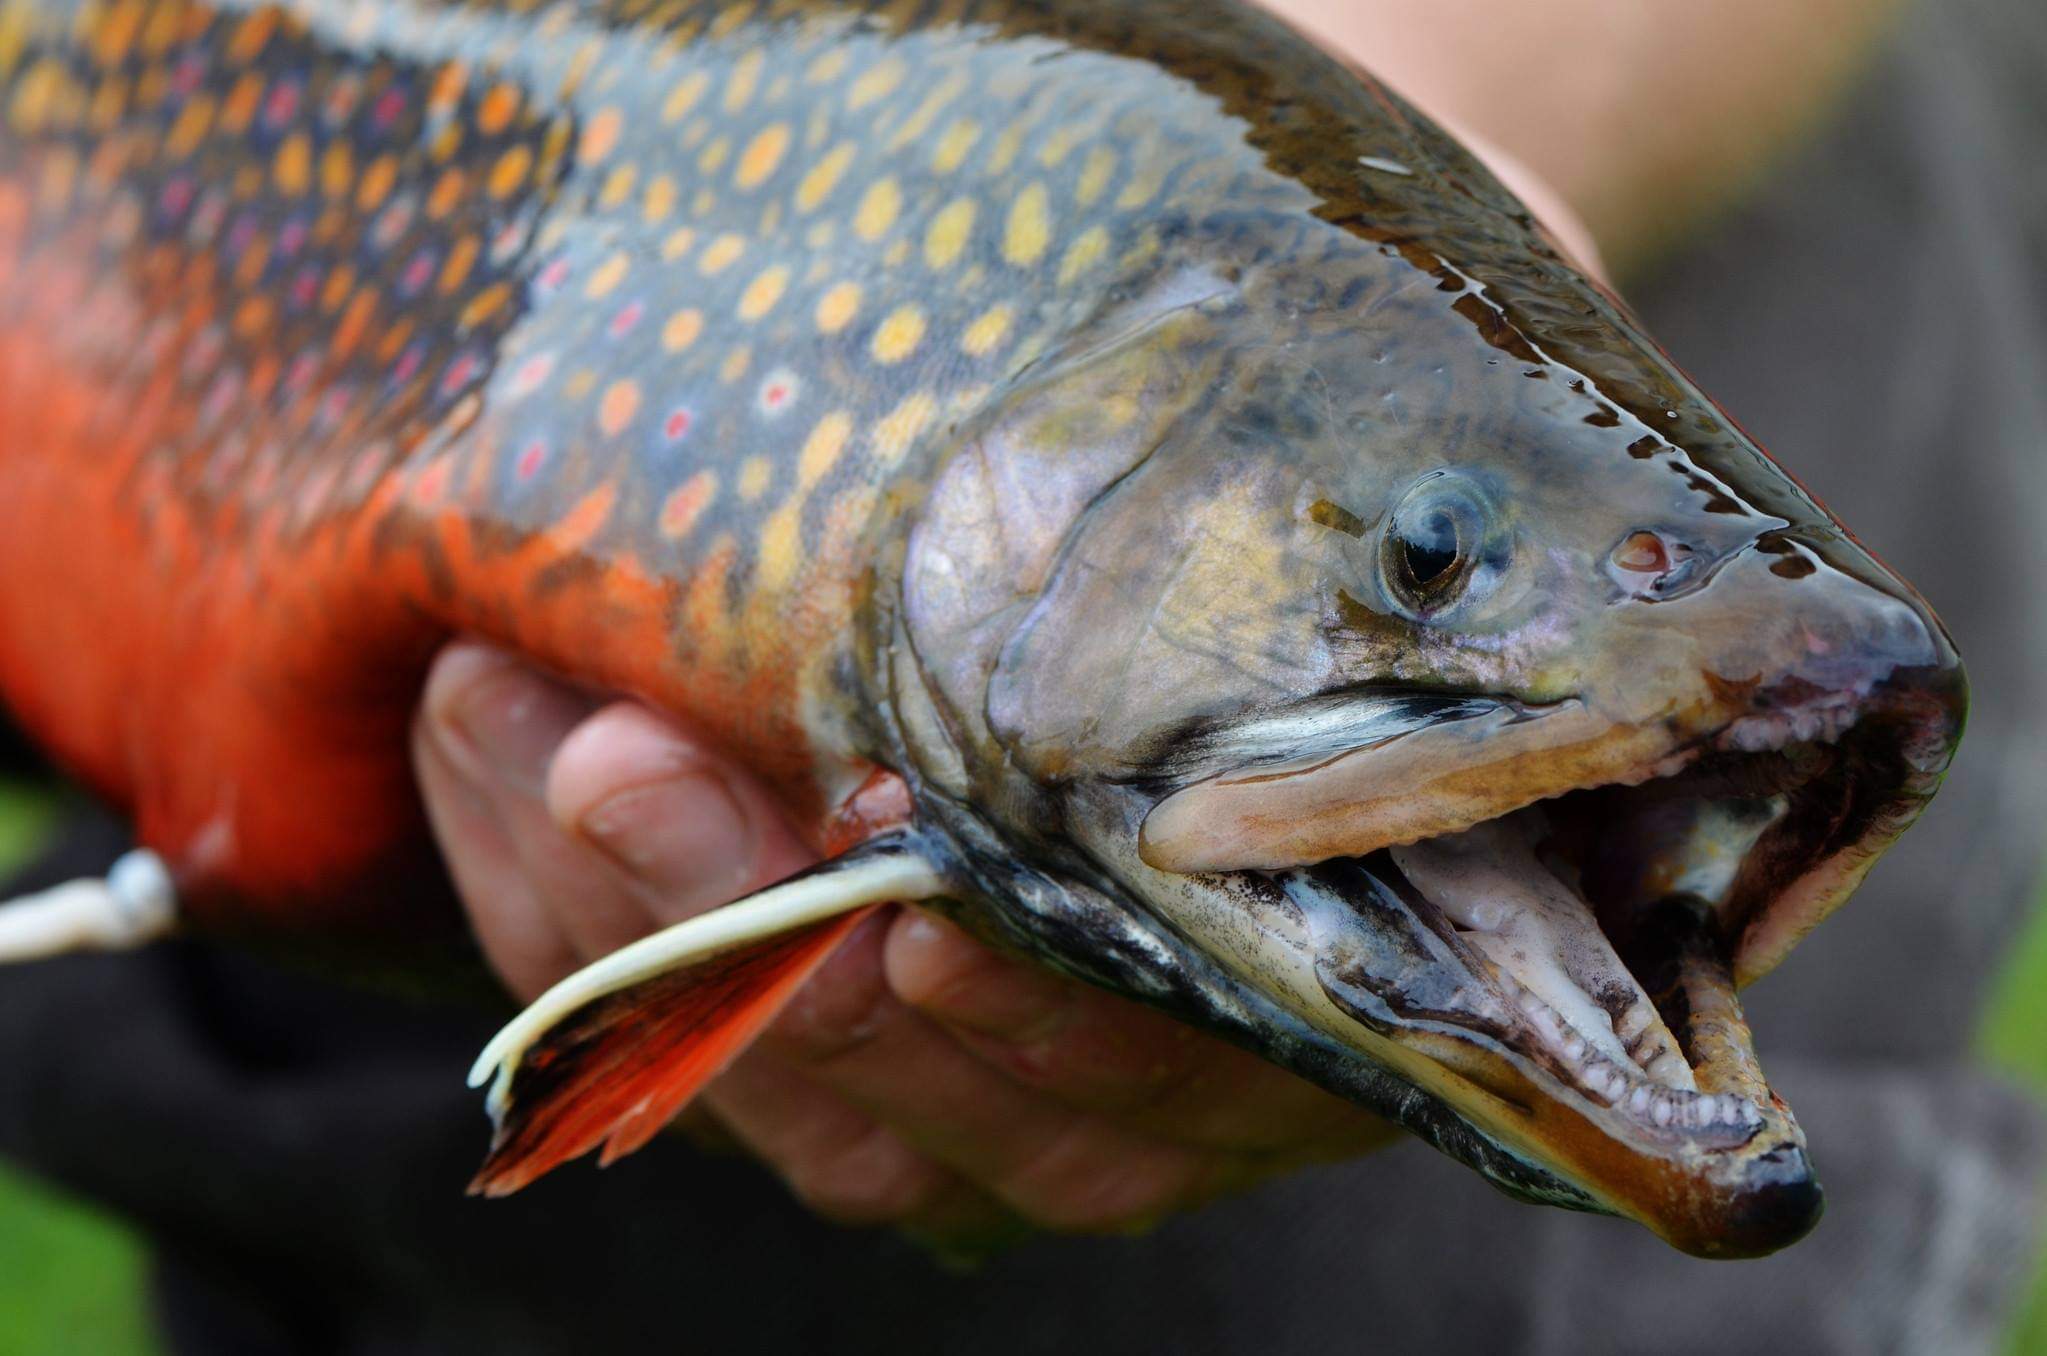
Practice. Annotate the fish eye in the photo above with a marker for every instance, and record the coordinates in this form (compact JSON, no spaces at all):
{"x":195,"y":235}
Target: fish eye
{"x":1440,"y":545}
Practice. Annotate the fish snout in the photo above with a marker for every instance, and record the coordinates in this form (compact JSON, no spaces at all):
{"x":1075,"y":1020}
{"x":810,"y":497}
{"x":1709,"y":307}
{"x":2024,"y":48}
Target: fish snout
{"x":1809,"y":629}
{"x":1777,"y":1202}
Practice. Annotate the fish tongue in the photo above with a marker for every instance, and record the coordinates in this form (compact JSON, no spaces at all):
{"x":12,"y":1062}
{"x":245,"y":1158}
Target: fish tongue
{"x":1537,"y":928}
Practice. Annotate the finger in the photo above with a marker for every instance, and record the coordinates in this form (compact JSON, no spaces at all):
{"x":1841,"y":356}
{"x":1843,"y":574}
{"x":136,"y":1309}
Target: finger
{"x":1095,"y":1051}
{"x":681,"y":828}
{"x":499,"y":723}
{"x":842,"y":1164}
{"x":1056,"y":1166}
{"x":520,"y":934}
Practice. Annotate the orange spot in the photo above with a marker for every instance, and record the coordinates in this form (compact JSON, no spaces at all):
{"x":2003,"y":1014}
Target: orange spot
{"x":494,"y":114}
{"x":574,"y":529}
{"x":680,"y":511}
{"x":446,"y":195}
{"x":620,"y":403}
{"x":761,"y":156}
{"x":601,"y":133}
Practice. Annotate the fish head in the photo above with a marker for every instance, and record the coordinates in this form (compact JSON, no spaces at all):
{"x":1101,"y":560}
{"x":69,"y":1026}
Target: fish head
{"x":1468,"y":711}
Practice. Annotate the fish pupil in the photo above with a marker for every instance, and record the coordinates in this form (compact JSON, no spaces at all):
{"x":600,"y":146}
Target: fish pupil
{"x":1430,"y":548}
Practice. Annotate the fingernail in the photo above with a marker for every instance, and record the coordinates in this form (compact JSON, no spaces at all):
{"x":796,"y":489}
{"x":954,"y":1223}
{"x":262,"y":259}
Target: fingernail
{"x":510,"y":721}
{"x":685,"y":837}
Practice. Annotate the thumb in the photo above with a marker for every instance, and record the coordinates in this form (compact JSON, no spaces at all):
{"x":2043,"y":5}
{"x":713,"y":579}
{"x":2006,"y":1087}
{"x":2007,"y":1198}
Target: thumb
{"x":682,"y":827}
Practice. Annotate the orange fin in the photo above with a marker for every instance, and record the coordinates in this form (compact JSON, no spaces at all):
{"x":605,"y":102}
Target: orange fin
{"x":614,"y":1051}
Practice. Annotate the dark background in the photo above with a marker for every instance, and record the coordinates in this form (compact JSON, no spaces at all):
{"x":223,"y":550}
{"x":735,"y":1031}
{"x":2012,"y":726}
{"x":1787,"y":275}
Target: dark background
{"x":1877,"y":315}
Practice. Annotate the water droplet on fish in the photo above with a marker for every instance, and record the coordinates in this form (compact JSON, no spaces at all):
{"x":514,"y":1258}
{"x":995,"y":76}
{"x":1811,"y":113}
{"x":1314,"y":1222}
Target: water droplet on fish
{"x":1384,"y":166}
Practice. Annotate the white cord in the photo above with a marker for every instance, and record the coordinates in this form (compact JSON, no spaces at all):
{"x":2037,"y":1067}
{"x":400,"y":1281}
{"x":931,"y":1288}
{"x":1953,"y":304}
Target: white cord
{"x":135,"y":904}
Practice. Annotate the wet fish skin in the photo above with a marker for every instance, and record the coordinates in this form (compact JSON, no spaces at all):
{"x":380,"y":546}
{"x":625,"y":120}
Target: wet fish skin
{"x":996,"y":396}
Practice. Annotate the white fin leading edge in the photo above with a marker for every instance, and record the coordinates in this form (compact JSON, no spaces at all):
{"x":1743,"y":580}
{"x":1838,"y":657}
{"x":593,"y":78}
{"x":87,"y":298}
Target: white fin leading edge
{"x":856,"y":881}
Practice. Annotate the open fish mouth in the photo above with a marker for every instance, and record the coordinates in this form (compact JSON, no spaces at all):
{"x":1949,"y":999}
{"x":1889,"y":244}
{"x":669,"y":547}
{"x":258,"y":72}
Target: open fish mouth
{"x":1563,"y":970}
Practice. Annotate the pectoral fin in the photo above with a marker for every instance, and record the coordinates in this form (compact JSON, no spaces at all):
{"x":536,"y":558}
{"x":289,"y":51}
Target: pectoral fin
{"x":614,"y":1051}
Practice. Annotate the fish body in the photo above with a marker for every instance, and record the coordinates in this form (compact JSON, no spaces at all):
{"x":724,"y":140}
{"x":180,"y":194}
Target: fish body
{"x":1116,"y":449}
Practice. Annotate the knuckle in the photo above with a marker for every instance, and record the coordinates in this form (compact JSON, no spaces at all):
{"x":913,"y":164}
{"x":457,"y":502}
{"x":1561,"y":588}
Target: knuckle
{"x":875,"y":1180}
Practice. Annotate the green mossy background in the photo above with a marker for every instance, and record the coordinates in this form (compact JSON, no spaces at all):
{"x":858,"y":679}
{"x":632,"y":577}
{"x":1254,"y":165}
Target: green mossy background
{"x":71,"y":1278}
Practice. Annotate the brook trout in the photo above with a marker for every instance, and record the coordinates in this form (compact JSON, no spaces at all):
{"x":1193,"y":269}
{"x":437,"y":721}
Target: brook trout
{"x":1126,"y":478}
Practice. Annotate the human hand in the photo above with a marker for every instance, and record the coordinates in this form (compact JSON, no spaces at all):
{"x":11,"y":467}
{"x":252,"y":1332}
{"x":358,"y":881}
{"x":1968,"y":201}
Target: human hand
{"x":920,"y":1078}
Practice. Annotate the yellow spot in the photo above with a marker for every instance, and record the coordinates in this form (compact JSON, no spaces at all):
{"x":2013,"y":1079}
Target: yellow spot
{"x":822,"y":448}
{"x":901,"y":427}
{"x":950,"y":229}
{"x":1059,"y":145}
{"x":730,"y":18}
{"x":823,"y":177}
{"x":484,"y":305}
{"x":600,"y":134}
{"x":897,"y":337}
{"x":878,"y":210}
{"x":238,"y":110}
{"x":1084,"y":254}
{"x":677,"y":244}
{"x":618,"y":186}
{"x":754,"y":475}
{"x":746,"y":77}
{"x":763,"y":293}
{"x":579,"y":383}
{"x":781,"y":546}
{"x":954,"y":145}
{"x":621,"y":402}
{"x":684,"y":96}
{"x":335,"y":290}
{"x":190,"y":128}
{"x":447,"y":191}
{"x":337,"y":169}
{"x":721,"y":254}
{"x":506,"y":175}
{"x":918,"y":123}
{"x":252,"y":35}
{"x":1030,"y":227}
{"x":608,"y":276}
{"x":660,"y":199}
{"x":761,"y":156}
{"x":830,"y":66}
{"x":877,"y":82}
{"x":494,"y":113}
{"x":714,"y":155}
{"x":1094,"y":175}
{"x":446,"y":90}
{"x":682,"y":329}
{"x":836,"y":308}
{"x":987,"y":332}
{"x":735,"y":364}
{"x":703,"y":202}
{"x":1006,"y":147}
{"x":293,"y":166}
{"x":1147,"y":179}
{"x":461,"y":259}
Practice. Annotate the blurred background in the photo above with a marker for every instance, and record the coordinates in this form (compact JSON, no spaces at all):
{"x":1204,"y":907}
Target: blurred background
{"x":1874,"y":308}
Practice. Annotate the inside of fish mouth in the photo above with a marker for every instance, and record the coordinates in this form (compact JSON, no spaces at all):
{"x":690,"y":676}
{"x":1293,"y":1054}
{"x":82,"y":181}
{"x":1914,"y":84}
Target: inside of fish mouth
{"x":1606,"y":923}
